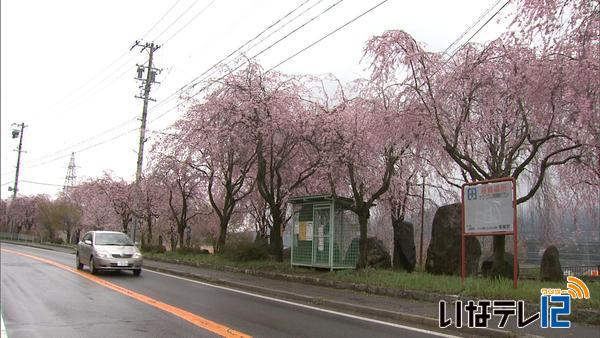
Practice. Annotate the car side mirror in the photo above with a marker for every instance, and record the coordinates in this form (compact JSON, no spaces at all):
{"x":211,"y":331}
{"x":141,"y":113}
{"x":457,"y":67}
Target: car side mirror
{"x":136,"y":243}
{"x":88,"y":242}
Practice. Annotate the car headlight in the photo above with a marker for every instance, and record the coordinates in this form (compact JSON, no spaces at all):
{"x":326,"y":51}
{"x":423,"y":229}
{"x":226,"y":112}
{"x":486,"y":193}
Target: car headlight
{"x":103,"y":254}
{"x":137,"y":255}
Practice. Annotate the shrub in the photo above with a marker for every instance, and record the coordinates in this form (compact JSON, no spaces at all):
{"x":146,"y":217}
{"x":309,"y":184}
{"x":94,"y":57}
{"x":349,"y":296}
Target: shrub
{"x":154,"y":248}
{"x":58,"y":240}
{"x":192,"y":251}
{"x":246,"y":251}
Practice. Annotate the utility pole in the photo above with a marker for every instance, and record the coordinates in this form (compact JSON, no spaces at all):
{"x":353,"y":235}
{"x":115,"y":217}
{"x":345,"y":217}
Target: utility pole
{"x":70,"y":177}
{"x":18,"y":133}
{"x":145,"y":86}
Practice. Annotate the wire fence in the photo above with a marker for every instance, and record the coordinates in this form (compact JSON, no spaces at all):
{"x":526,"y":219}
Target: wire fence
{"x":589,"y":271}
{"x":21,"y":237}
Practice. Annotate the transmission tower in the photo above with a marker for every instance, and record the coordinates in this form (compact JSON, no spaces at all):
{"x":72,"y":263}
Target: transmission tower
{"x":71,"y":177}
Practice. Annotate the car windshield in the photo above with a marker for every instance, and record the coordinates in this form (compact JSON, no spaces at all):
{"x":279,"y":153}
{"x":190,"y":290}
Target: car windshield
{"x":112,"y":239}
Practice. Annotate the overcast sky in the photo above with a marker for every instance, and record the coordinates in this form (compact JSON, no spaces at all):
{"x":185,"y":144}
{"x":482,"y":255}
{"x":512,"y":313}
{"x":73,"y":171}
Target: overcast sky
{"x":67,"y":71}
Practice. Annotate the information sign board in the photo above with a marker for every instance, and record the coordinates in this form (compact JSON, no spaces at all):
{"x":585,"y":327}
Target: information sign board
{"x":489,"y":208}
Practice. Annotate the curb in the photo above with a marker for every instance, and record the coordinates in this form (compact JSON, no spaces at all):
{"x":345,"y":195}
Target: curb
{"x":51,"y":247}
{"x":580,"y":315}
{"x":342,"y":306}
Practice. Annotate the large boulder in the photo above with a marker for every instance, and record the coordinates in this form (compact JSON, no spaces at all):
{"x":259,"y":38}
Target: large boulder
{"x":550,"y":269}
{"x":377,"y":254}
{"x":443,"y":253}
{"x":405,"y":253}
{"x":486,"y":266}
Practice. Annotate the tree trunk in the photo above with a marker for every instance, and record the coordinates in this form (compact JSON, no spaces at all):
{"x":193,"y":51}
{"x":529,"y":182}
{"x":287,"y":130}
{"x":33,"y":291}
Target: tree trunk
{"x":125,"y":223}
{"x":499,"y":266}
{"x":149,"y":224}
{"x":173,"y":242}
{"x":180,"y":232}
{"x":275,"y":240}
{"x":75,"y":238}
{"x":50,"y":233}
{"x":363,"y":219}
{"x":221,"y":241}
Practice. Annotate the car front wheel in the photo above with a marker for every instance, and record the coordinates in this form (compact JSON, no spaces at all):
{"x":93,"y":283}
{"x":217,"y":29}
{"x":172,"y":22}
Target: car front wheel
{"x":137,"y":272}
{"x":78,"y":264}
{"x":93,"y":266}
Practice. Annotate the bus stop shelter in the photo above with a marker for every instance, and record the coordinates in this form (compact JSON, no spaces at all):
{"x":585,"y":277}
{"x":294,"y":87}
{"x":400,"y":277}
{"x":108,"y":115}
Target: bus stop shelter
{"x":325,"y":232}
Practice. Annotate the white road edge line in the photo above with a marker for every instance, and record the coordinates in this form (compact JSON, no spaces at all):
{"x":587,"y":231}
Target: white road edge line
{"x":307,"y":306}
{"x":3,"y":333}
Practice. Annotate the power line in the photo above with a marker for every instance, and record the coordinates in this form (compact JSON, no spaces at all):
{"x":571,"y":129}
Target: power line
{"x":327,"y":35}
{"x":160,"y":20}
{"x":83,"y":149}
{"x":99,"y":87}
{"x":486,"y":12}
{"x":163,"y":102}
{"x":98,"y":143}
{"x":299,"y":27}
{"x":92,"y":90}
{"x":180,"y":90}
{"x":254,"y":38}
{"x":42,"y":183}
{"x":278,"y":29}
{"x":191,"y":83}
{"x":473,"y":35}
{"x":189,"y":22}
{"x":278,"y":41}
{"x":85,"y":140}
{"x":271,"y":45}
{"x":90,"y":80}
{"x":112,"y":63}
{"x":177,"y":19}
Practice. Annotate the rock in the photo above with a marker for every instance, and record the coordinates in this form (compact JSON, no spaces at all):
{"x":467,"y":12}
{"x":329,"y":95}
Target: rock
{"x":486,"y":266}
{"x":443,"y":253}
{"x":405,"y":253}
{"x":377,"y":254}
{"x":550,"y":269}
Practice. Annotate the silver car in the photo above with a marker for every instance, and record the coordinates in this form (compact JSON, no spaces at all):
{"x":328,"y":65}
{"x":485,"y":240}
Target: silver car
{"x":108,"y":250}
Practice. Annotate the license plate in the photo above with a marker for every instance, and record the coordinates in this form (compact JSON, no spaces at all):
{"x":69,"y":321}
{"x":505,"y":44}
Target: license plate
{"x":121,"y":263}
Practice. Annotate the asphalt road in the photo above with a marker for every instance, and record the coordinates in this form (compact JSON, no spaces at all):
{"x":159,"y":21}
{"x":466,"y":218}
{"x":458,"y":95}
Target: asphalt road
{"x":43,"y":296}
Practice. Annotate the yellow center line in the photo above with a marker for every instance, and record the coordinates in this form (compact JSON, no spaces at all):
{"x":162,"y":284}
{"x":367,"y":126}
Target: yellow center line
{"x":199,"y":321}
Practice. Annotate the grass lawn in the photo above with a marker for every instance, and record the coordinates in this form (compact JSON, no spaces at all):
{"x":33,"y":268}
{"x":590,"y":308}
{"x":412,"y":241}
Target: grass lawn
{"x":481,"y":288}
